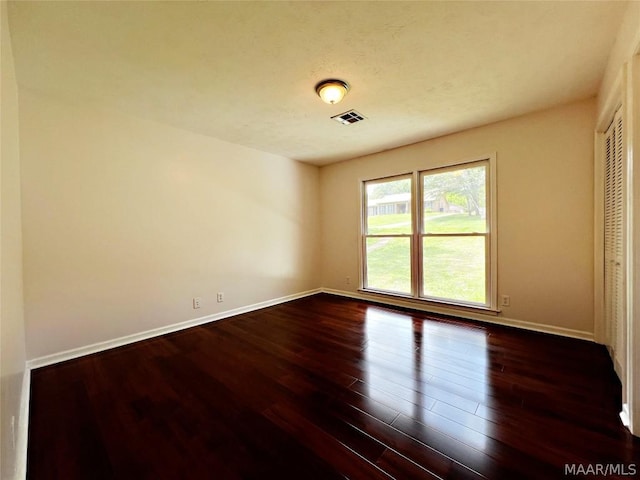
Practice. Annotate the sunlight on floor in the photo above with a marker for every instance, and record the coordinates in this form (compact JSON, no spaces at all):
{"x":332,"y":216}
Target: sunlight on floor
{"x":433,"y":372}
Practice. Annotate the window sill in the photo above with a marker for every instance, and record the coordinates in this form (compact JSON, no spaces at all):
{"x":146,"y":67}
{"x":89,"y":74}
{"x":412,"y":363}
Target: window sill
{"x":421,"y":303}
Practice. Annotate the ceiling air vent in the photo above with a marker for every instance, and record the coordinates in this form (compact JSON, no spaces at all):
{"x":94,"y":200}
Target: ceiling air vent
{"x":347,"y":118}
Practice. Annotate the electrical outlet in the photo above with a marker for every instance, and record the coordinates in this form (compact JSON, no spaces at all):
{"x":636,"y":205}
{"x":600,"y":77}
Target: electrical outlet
{"x":196,"y":302}
{"x":220,"y":297}
{"x":348,"y":280}
{"x":506,"y":300}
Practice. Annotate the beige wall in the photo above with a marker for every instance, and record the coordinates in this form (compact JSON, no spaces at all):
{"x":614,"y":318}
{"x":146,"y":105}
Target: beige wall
{"x":126,"y":220}
{"x":12,"y":348}
{"x":545,"y":209}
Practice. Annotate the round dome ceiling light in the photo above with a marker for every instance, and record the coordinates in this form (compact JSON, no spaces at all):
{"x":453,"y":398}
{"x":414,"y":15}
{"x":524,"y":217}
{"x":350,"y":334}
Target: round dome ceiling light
{"x":332,"y":91}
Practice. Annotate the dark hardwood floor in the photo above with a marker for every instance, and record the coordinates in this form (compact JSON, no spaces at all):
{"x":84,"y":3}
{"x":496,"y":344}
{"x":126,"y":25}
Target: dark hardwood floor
{"x":324,"y":388}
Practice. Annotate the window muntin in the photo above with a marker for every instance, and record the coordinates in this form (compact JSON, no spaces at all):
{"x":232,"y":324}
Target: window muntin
{"x":445,"y":250}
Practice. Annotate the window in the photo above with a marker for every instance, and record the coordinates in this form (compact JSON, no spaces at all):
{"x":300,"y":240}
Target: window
{"x":430,"y":235}
{"x":388,"y":235}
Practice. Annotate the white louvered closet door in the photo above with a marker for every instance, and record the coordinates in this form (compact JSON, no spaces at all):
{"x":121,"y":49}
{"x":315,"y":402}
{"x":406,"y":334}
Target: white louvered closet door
{"x":614,"y":244}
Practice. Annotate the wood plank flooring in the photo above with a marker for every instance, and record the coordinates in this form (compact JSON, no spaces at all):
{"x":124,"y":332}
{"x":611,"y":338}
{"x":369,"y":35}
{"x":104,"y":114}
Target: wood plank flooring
{"x":325,"y":388}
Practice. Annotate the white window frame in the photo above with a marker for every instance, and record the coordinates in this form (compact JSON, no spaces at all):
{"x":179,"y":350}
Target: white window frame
{"x":491,"y":275}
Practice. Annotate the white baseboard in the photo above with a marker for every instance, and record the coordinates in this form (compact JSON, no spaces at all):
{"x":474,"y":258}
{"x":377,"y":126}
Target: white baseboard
{"x":624,"y":415}
{"x":466,"y":314}
{"x":127,"y":339}
{"x":156,"y":332}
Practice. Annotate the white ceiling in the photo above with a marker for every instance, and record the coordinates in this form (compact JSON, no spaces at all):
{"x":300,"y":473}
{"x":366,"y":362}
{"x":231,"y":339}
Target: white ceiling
{"x":245,"y":72}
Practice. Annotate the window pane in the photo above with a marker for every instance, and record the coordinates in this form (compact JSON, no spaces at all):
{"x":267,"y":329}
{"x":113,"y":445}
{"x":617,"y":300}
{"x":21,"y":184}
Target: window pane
{"x":389,"y":207}
{"x":455,"y":201}
{"x":454,"y":268}
{"x":389,"y":264}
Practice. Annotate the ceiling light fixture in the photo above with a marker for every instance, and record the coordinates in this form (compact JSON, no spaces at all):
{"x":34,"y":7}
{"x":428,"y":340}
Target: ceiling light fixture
{"x":332,"y":91}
